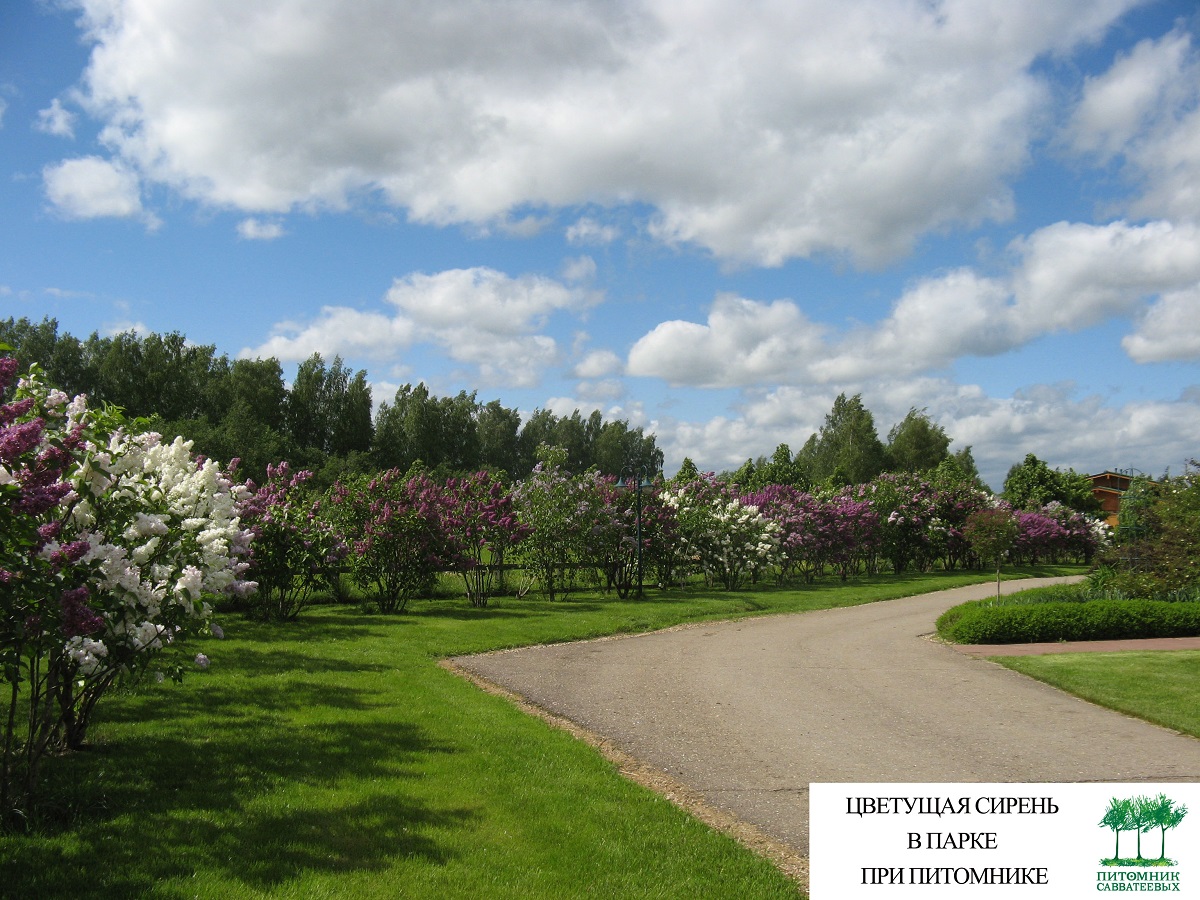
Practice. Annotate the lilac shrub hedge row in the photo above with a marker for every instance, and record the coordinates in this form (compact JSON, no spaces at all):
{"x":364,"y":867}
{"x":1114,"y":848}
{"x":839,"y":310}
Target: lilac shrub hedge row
{"x":901,"y":522}
{"x":564,"y":530}
{"x":115,"y":547}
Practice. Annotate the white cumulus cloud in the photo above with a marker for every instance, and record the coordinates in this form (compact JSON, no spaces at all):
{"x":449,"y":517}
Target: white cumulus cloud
{"x":1063,"y":278}
{"x":56,"y":120}
{"x":598,"y":364}
{"x":743,"y":342}
{"x":1145,"y":111}
{"x":761,"y":132}
{"x":1169,"y":329}
{"x":483,"y":318}
{"x":90,"y":187}
{"x":338,"y":330}
{"x":1073,"y":275}
{"x":252,"y":229}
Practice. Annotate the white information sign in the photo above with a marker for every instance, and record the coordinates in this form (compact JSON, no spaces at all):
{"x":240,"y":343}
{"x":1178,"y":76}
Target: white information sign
{"x":1002,"y":841}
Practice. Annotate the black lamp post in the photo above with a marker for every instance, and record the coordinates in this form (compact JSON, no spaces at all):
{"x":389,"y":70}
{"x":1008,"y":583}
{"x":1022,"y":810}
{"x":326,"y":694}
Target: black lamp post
{"x":640,"y":478}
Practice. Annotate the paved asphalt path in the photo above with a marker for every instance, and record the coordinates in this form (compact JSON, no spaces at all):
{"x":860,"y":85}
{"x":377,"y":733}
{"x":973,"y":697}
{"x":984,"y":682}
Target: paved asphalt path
{"x":748,"y":713}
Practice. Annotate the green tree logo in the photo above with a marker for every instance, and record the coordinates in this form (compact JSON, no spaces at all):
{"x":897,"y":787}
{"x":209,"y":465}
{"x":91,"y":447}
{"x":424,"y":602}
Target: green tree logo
{"x":1141,"y":815}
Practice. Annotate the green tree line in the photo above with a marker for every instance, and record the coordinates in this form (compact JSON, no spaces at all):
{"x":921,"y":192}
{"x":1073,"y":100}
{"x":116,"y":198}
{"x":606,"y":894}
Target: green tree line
{"x":847,"y":450}
{"x":324,"y":421}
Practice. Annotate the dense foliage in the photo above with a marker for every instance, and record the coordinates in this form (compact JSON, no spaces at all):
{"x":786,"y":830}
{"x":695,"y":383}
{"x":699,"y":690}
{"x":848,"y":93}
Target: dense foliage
{"x":293,"y":545}
{"x":482,"y":526}
{"x":992,"y":534}
{"x":1032,"y":484}
{"x":322,"y":423}
{"x":566,"y":530}
{"x":1157,"y":550}
{"x":724,"y":537}
{"x":569,"y":521}
{"x":396,"y":534}
{"x":847,"y":450}
{"x":981,"y":623}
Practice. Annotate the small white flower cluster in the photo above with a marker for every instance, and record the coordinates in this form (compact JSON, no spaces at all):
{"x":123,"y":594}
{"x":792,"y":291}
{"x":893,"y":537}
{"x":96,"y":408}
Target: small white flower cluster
{"x":164,"y":532}
{"x":87,"y":654}
{"x":1102,"y":533}
{"x":730,"y":539}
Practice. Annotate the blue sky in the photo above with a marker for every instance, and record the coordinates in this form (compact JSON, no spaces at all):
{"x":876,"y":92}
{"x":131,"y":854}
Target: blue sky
{"x":706,"y":217}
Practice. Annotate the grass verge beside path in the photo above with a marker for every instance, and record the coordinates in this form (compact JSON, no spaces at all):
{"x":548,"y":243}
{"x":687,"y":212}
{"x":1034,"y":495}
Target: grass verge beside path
{"x":331,"y":757}
{"x":522,"y":623}
{"x":1161,"y":687}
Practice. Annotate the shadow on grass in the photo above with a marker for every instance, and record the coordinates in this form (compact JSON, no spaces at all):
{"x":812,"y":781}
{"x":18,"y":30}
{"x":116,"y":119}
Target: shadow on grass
{"x":323,"y":627}
{"x":269,"y":662}
{"x":261,"y":849}
{"x":269,"y":681}
{"x":490,"y":612}
{"x":219,"y":704}
{"x":253,"y":780}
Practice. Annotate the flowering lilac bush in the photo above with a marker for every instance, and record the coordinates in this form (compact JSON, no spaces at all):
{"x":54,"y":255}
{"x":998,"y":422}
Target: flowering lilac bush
{"x":852,"y":533}
{"x":1039,"y":536}
{"x":482,"y":528}
{"x":839,"y":532}
{"x":660,"y":534}
{"x":164,"y":535}
{"x":955,"y":499}
{"x":902,"y":520}
{"x":395,"y":530}
{"x":804,"y":532}
{"x":1085,"y":535}
{"x":617,"y":540}
{"x":294,"y":546}
{"x":729,"y":540}
{"x":909,"y":532}
{"x":907,"y":521}
{"x":1056,"y":532}
{"x":38,"y":584}
{"x":615,"y":533}
{"x":112,"y":543}
{"x":568,"y":524}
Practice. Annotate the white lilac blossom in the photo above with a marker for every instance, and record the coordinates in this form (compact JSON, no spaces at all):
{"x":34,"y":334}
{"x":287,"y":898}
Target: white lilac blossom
{"x":87,"y":654}
{"x":151,"y":531}
{"x":728,"y":539}
{"x":184,"y":540}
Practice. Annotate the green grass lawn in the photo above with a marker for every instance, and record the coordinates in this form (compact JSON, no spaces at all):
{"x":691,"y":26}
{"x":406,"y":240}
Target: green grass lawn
{"x":331,"y":757}
{"x":1162,"y":687}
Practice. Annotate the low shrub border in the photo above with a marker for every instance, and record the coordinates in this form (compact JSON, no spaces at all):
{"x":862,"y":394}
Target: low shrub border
{"x":1098,"y":620}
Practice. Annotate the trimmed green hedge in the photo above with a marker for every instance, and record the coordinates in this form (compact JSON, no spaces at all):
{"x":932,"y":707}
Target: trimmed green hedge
{"x":1096,"y":620}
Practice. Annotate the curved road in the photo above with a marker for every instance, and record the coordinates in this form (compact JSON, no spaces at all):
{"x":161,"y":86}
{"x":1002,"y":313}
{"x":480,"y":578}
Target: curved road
{"x":748,"y":713}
